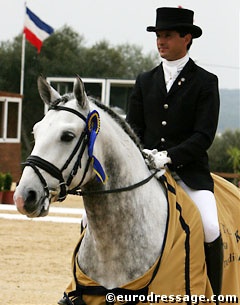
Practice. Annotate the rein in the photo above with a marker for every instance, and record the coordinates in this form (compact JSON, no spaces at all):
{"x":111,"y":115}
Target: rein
{"x":84,"y":140}
{"x":117,"y":190}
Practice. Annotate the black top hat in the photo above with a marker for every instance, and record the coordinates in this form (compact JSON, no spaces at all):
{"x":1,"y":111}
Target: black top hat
{"x":171,"y":18}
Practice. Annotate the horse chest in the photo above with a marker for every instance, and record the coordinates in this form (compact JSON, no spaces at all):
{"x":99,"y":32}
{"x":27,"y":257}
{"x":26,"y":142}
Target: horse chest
{"x":117,"y":263}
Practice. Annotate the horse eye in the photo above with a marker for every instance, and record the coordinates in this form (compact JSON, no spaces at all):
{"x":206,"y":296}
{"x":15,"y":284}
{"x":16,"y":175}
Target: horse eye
{"x":67,"y":136}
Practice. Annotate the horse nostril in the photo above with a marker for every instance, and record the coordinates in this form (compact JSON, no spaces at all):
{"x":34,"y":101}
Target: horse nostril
{"x":31,"y":198}
{"x":30,"y":201}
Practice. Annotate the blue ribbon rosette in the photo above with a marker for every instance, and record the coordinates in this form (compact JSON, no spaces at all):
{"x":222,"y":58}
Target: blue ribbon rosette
{"x":93,"y":128}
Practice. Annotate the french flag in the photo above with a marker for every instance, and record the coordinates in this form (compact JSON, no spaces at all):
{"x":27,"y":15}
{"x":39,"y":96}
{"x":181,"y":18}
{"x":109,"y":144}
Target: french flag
{"x":36,"y":31}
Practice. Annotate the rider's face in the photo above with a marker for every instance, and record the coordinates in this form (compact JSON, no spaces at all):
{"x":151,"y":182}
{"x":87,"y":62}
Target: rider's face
{"x":171,"y":46}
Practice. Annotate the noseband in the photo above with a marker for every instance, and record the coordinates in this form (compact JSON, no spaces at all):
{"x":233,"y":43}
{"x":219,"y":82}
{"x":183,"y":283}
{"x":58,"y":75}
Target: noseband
{"x":36,"y":162}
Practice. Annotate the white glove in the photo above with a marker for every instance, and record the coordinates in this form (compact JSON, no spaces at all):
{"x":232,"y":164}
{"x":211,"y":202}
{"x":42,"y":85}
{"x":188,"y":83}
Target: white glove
{"x":156,"y":159}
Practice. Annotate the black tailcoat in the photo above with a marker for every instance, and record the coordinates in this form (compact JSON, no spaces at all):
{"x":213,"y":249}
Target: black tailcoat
{"x":182,"y":121}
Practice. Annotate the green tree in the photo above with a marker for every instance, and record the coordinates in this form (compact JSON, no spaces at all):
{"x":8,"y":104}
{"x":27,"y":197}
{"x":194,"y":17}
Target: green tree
{"x":64,"y":54}
{"x":102,"y":60}
{"x":10,"y":62}
{"x":219,"y":151}
{"x":134,"y":62}
{"x":122,"y":61}
{"x":234,"y":160}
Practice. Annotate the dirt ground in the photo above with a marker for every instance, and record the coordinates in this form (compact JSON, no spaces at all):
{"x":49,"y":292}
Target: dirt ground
{"x":35,"y":260}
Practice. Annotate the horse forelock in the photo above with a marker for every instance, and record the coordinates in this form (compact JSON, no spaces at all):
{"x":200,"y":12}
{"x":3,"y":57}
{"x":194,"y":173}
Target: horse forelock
{"x":63,"y":99}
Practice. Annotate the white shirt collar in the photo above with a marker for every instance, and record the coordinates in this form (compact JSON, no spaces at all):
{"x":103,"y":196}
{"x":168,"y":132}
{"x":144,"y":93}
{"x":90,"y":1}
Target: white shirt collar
{"x":179,"y":63}
{"x":172,"y":69}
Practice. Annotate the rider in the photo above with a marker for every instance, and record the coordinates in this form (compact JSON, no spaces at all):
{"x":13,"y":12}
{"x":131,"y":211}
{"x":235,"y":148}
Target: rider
{"x":174,"y":110}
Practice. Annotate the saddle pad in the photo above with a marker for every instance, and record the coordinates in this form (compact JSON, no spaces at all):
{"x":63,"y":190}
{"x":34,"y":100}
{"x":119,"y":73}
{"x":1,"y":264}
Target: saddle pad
{"x":182,"y":269}
{"x":228,"y":203}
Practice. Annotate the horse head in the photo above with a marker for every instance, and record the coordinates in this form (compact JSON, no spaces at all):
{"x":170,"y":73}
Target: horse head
{"x":61,"y":159}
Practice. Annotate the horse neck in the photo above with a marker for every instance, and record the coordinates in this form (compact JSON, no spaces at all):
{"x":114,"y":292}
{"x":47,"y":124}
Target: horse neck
{"x":124,"y":164}
{"x":132,"y":222}
{"x":118,"y":209}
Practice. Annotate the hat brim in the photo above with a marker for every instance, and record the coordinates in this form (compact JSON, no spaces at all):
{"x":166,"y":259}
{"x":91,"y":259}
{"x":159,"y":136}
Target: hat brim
{"x":192,"y":29}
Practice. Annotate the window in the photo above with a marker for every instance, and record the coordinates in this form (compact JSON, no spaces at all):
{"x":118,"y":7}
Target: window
{"x":111,"y":92}
{"x":1,"y":118}
{"x":10,"y":118}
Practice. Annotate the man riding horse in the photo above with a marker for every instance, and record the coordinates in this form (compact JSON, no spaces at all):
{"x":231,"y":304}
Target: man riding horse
{"x":174,"y":110}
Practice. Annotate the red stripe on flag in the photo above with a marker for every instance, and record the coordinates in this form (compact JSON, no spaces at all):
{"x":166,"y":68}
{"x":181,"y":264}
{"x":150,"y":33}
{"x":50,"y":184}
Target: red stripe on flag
{"x":33,"y":39}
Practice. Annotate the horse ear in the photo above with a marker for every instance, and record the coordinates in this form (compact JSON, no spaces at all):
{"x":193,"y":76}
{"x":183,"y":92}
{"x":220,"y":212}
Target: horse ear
{"x":47,"y":93}
{"x":79,"y":92}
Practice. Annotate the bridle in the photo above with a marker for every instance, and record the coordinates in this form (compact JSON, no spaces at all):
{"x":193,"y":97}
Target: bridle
{"x":84,"y":141}
{"x":36,"y":162}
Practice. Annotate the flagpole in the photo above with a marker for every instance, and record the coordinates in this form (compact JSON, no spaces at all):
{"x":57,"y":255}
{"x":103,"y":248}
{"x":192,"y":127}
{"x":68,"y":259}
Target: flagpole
{"x":23,"y":58}
{"x":22,"y":64}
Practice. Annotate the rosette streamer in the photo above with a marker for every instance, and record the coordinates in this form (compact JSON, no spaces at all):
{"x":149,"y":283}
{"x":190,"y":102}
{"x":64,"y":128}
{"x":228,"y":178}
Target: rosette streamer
{"x":93,"y":128}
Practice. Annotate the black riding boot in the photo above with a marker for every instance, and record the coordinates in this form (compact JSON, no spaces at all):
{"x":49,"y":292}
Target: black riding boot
{"x":62,"y":302}
{"x":214,"y":261}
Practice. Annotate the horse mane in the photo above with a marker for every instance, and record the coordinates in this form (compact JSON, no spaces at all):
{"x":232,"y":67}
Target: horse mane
{"x":116,"y":117}
{"x":122,"y":122}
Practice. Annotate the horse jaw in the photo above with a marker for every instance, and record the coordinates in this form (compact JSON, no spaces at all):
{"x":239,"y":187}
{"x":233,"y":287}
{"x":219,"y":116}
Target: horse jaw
{"x":47,"y":93}
{"x":80,"y":94}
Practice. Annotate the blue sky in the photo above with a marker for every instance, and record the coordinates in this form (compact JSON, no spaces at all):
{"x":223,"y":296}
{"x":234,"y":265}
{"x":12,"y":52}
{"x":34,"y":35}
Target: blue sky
{"x":125,"y":21}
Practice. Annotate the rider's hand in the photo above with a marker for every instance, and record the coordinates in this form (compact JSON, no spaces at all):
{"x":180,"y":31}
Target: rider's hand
{"x":156,"y":159}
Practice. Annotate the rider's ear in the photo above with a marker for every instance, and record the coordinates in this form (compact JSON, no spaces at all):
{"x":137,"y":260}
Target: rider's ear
{"x":80,"y":93}
{"x":47,"y":93}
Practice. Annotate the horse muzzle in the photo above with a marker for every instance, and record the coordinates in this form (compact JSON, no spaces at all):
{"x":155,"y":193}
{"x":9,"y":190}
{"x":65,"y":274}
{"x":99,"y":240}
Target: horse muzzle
{"x":31,"y":203}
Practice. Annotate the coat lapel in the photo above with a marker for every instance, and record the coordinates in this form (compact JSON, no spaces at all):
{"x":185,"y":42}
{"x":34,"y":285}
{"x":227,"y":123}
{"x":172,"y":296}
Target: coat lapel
{"x":184,"y":77}
{"x":161,"y":80}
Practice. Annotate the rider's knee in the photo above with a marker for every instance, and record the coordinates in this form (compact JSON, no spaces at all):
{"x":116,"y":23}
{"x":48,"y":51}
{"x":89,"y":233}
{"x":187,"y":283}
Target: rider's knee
{"x":211,"y":231}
